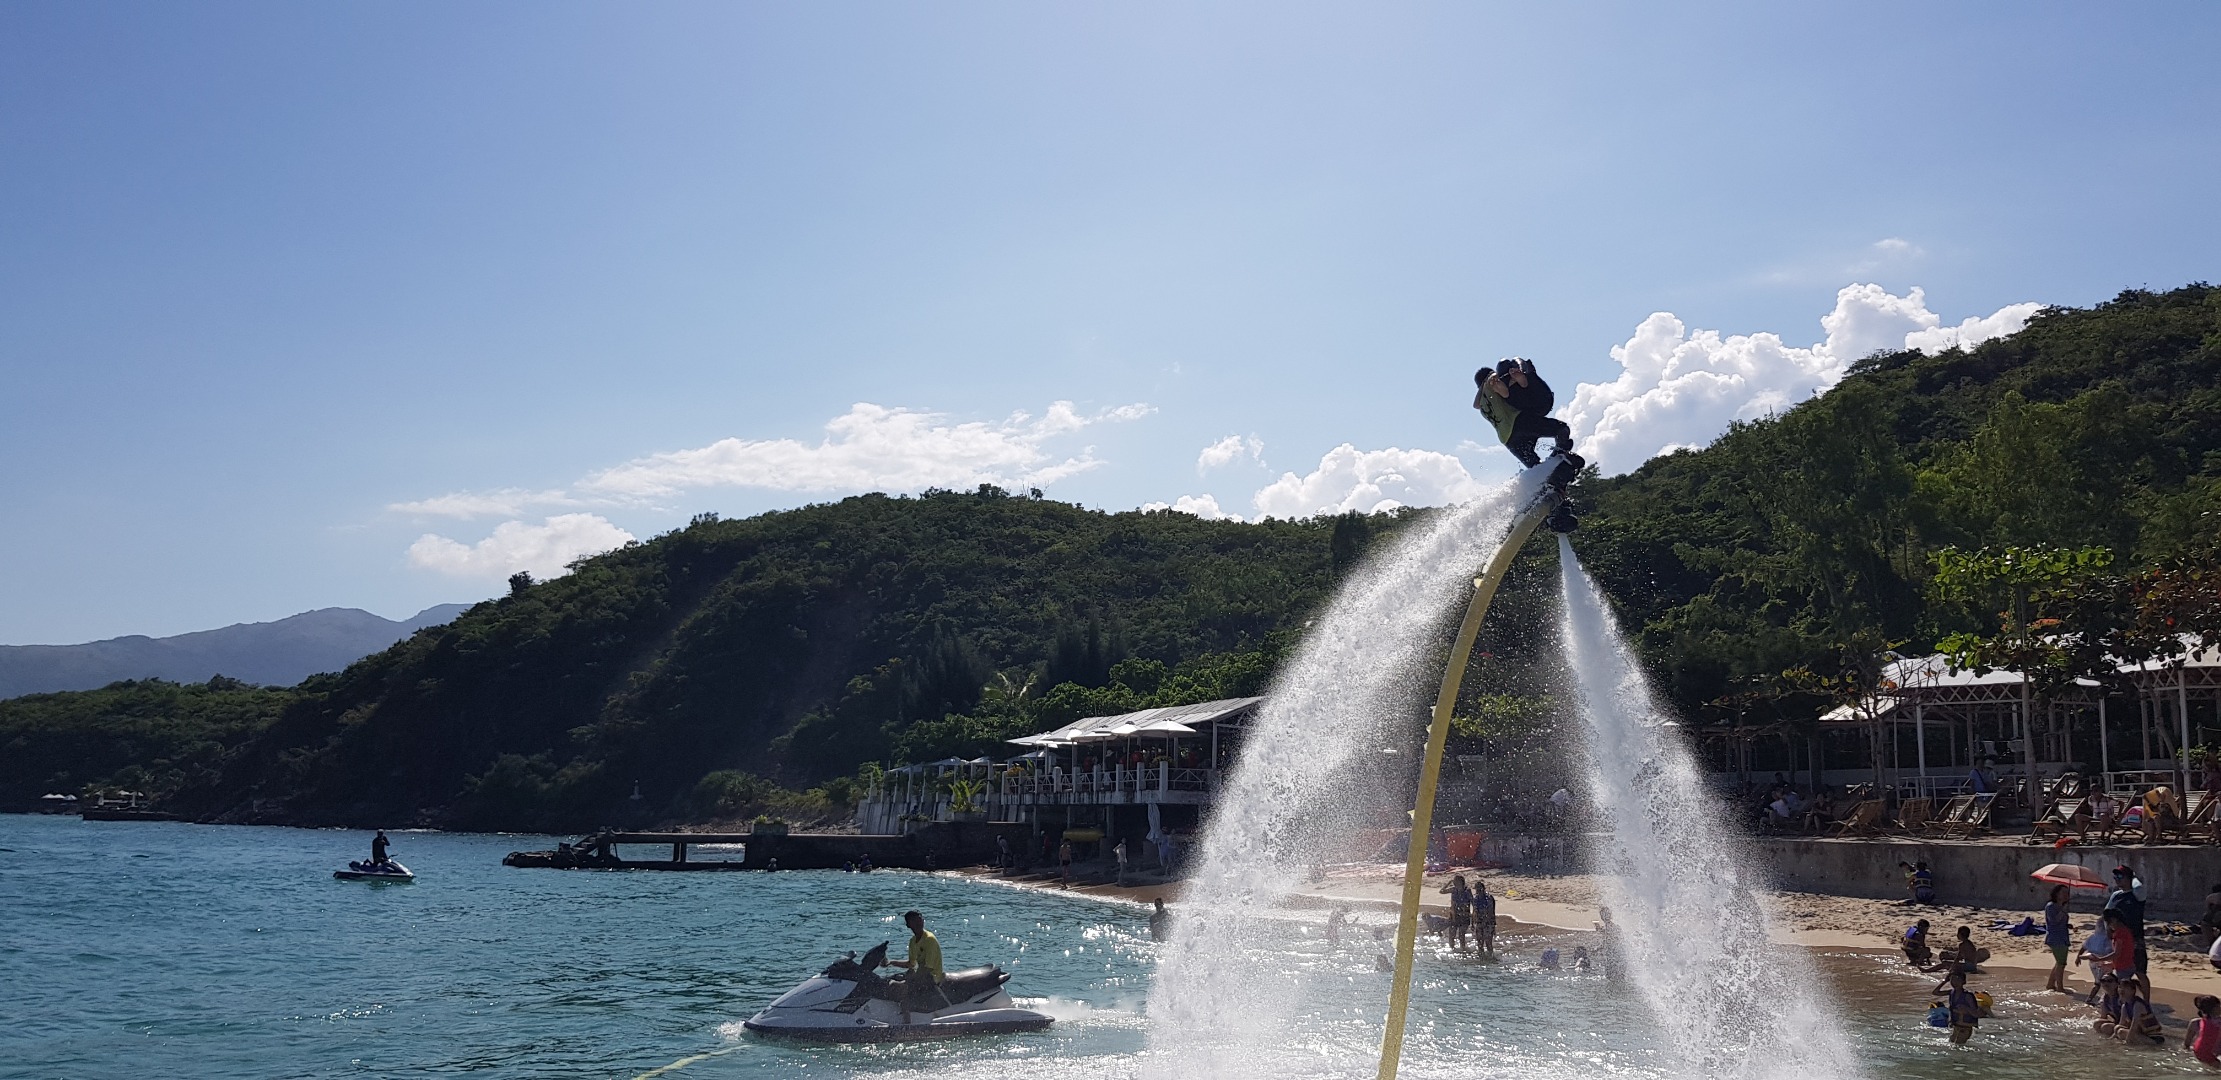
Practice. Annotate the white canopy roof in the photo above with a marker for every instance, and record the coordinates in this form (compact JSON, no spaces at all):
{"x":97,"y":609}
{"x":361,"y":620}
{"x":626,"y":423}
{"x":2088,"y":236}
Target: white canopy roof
{"x":1171,"y":720}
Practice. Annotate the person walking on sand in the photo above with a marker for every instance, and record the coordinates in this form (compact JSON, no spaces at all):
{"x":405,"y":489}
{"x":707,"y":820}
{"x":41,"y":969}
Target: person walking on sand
{"x":1118,"y":853}
{"x":1461,"y":910}
{"x":2058,"y":936}
{"x":1064,"y":861}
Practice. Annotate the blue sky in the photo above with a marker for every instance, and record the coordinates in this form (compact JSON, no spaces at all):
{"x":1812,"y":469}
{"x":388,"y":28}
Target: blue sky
{"x":363,"y":305}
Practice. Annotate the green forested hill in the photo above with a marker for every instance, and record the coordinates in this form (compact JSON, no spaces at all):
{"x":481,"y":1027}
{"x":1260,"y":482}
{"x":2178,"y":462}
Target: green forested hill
{"x":1805,"y":537}
{"x":794,"y":644}
{"x":798,"y":644}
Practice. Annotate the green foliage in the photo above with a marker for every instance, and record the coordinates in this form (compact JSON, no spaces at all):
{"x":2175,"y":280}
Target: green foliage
{"x":1502,"y":716}
{"x":792,"y":646}
{"x":1806,"y":542}
{"x":141,"y":735}
{"x":964,"y":795}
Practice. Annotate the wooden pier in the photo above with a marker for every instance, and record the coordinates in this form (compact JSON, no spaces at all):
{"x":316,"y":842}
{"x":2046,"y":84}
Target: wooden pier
{"x":937,"y":846}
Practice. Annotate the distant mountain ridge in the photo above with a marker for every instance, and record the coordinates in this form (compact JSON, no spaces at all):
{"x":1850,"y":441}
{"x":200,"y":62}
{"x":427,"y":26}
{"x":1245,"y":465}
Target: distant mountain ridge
{"x":279,"y":653}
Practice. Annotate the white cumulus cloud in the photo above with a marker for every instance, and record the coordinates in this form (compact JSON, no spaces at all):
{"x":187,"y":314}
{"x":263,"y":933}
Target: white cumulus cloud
{"x":1368,"y":481}
{"x":868,"y":448}
{"x":546,"y":550}
{"x":1202,"y":506}
{"x":1679,"y":389}
{"x":1229,"y":450}
{"x":507,"y":502}
{"x":872,"y":448}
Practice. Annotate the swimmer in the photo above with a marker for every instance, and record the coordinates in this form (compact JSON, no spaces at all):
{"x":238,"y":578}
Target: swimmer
{"x":2204,"y":1037}
{"x":1965,"y":1011}
{"x":1581,"y":959}
{"x":1549,"y":961}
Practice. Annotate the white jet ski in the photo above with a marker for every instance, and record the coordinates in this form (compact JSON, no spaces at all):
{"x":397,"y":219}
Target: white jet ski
{"x":851,"y":1002}
{"x":370,"y":871}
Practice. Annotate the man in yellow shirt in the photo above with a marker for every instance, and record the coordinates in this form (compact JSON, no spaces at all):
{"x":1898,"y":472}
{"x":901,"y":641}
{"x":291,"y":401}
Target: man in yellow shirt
{"x":923,"y":981}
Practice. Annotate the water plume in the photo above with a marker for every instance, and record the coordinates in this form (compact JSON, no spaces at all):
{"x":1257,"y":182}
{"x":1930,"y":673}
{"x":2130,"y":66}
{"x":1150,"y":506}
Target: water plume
{"x":1689,"y":929}
{"x":1337,"y":732}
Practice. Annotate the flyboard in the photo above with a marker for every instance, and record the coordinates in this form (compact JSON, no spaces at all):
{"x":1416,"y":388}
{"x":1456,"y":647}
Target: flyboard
{"x":1551,"y":507}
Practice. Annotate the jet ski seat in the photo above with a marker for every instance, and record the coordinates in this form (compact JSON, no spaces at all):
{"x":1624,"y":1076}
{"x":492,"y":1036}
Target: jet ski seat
{"x":972,"y":982}
{"x":955,"y":985}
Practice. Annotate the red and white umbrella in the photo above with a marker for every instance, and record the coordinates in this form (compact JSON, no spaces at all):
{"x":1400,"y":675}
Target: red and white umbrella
{"x":2080,"y":877}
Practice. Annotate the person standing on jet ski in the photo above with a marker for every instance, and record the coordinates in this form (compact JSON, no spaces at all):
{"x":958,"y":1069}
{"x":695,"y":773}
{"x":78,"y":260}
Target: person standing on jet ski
{"x":378,"y":847}
{"x":1517,"y":403}
{"x":923,"y":977}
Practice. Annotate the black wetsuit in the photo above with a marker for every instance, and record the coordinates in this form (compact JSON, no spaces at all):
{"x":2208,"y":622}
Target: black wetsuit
{"x":378,"y":851}
{"x":1534,"y":402}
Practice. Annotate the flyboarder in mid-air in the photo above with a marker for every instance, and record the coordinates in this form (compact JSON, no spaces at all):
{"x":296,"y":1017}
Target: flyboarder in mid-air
{"x":1517,"y":404}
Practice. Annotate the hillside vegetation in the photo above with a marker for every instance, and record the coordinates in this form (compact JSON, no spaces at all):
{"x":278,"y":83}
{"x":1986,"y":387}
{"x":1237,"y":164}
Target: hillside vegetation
{"x":1809,"y":540}
{"x":724,"y":663}
{"x":794,"y":645}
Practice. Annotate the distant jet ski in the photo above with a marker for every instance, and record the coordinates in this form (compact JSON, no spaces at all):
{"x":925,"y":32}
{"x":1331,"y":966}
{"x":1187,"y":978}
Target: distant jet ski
{"x":850,"y":1002}
{"x":370,"y":871}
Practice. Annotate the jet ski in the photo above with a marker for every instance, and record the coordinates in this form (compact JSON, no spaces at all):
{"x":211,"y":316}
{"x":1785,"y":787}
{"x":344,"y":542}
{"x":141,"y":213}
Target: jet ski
{"x":370,"y":871}
{"x":850,"y":1002}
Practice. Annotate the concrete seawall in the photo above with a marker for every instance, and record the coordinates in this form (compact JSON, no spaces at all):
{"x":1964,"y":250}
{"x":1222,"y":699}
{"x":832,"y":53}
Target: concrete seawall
{"x":1987,"y":874}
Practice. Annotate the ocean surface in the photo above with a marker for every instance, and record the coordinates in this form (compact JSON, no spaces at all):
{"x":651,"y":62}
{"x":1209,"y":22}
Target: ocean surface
{"x":190,"y":951}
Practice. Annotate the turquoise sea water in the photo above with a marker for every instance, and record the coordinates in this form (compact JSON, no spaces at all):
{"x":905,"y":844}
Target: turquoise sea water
{"x":170,"y":950}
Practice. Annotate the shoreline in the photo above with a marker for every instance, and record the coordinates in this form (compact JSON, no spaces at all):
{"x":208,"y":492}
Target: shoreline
{"x":1537,"y":904}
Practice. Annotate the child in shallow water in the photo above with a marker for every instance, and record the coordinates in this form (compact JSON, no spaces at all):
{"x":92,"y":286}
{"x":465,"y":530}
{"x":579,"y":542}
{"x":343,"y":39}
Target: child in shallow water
{"x":2109,"y":1004}
{"x":1966,"y":1012}
{"x":2204,"y":1038}
{"x":2139,"y":1024}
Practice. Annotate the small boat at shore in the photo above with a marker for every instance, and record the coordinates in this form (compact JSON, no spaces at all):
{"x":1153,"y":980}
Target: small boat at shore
{"x":370,"y":871}
{"x":851,"y":1002}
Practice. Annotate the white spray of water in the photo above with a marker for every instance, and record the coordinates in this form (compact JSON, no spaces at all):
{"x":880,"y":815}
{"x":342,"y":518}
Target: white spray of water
{"x":1690,"y":932}
{"x":1354,"y":688}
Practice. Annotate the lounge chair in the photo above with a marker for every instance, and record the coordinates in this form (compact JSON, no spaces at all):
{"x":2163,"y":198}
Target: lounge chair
{"x":2197,"y":815}
{"x":2099,"y":825}
{"x":1954,"y":814}
{"x":1862,"y":819}
{"x":2059,"y":820}
{"x":1978,"y":816}
{"x":1912,"y":814}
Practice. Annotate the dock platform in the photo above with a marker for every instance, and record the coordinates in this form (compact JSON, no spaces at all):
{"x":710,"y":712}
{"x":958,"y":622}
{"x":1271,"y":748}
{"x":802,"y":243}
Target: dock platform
{"x":940,"y":845}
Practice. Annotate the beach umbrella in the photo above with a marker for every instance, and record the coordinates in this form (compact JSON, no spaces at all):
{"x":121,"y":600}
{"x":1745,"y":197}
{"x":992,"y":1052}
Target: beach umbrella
{"x":2081,"y":877}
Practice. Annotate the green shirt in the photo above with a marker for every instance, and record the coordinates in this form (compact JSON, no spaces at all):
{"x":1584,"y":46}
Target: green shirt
{"x":1499,"y":412}
{"x":925,"y":954}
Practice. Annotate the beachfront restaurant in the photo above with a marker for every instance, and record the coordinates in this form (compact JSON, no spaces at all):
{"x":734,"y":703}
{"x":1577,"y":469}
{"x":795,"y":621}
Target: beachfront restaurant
{"x":1094,"y":780}
{"x":1929,"y":726}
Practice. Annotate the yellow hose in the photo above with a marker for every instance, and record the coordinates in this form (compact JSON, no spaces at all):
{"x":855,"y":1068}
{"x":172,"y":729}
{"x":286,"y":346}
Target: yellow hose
{"x":1430,"y":770}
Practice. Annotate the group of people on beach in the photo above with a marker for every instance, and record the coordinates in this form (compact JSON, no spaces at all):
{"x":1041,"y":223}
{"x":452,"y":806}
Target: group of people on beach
{"x":2116,"y":953}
